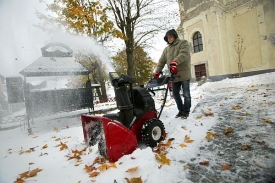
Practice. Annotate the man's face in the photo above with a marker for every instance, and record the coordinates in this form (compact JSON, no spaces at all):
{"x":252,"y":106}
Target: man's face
{"x":171,"y":38}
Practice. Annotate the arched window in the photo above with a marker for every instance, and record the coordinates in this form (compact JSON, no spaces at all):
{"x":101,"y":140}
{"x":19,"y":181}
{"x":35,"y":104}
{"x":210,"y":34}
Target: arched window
{"x":197,"y":42}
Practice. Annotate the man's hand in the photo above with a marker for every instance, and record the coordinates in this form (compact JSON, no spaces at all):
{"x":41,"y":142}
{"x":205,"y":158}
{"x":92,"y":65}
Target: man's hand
{"x":156,"y":75}
{"x":173,"y":67}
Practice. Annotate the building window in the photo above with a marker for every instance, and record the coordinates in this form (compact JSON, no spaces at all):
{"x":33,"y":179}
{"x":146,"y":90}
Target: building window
{"x":197,"y":42}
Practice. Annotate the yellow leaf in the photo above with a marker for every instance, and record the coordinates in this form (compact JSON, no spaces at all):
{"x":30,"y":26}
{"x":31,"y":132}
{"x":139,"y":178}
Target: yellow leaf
{"x":163,"y":159}
{"x":94,"y":174}
{"x":89,"y":168}
{"x":187,"y":139}
{"x":228,"y":130}
{"x":45,"y":146}
{"x":185,"y":167}
{"x":132,"y":169}
{"x":199,"y":117}
{"x":239,"y":118}
{"x":28,"y":151}
{"x":19,"y":180}
{"x":210,"y":135}
{"x":29,"y":174}
{"x":266,"y":120}
{"x":182,"y":145}
{"x":136,"y":180}
{"x":112,"y":165}
{"x":34,"y":172}
{"x":237,"y":107}
{"x":58,"y":139}
{"x":63,"y":146}
{"x":106,"y":167}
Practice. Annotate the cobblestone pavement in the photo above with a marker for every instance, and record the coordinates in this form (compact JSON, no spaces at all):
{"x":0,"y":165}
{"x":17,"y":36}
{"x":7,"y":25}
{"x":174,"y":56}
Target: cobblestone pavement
{"x":256,"y":161}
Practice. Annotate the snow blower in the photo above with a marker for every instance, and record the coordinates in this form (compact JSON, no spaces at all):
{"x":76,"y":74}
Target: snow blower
{"x":137,"y":120}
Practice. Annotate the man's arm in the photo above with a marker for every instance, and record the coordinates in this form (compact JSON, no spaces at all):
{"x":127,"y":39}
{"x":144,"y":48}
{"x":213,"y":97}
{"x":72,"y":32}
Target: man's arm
{"x":162,"y":61}
{"x":184,"y":52}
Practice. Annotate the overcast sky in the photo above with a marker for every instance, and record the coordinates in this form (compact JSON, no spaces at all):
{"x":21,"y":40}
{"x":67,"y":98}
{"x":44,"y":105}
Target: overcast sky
{"x":21,"y":42}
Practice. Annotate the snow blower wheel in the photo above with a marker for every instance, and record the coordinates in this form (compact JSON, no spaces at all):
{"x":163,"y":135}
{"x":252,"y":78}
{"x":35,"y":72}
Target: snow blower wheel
{"x":152,"y":132}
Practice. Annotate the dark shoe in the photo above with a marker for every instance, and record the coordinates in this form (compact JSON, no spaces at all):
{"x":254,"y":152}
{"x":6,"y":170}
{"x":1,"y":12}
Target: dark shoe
{"x":180,"y":114}
{"x":185,"y":115}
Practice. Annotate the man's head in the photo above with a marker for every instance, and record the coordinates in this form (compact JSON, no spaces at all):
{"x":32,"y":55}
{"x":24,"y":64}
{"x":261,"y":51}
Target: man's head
{"x":170,"y":36}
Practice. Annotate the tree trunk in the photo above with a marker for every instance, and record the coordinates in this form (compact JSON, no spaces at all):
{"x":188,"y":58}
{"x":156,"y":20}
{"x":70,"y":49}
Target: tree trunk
{"x":130,"y":63}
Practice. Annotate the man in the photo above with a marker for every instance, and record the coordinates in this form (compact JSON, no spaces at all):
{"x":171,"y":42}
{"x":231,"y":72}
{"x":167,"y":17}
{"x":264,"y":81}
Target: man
{"x":177,"y":56}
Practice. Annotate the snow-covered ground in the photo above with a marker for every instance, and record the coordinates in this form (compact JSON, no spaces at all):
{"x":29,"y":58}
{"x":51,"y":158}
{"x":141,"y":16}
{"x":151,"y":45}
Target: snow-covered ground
{"x":55,"y":151}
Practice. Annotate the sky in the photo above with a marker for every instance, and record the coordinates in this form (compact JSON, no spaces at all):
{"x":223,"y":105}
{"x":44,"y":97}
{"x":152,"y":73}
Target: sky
{"x":245,"y":104}
{"x":21,"y":41}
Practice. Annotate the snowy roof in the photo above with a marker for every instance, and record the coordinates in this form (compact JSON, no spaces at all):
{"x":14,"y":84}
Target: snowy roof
{"x":55,"y":63}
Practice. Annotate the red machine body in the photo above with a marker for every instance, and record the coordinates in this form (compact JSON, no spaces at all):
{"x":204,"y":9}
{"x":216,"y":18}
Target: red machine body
{"x":118,"y":134}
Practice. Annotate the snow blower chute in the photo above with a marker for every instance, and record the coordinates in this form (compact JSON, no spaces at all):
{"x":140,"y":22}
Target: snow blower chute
{"x":118,"y":134}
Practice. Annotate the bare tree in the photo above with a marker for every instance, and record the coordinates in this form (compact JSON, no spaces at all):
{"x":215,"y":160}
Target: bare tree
{"x":139,"y":21}
{"x":240,"y":49}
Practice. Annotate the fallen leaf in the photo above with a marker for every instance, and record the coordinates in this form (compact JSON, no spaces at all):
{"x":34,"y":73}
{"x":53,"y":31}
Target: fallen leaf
{"x":31,"y":163}
{"x":128,"y":181}
{"x":199,"y":117}
{"x":136,"y":180}
{"x":245,"y":147}
{"x":29,"y":174}
{"x":226,"y":166}
{"x":187,"y":139}
{"x":228,"y":130}
{"x":45,"y":146}
{"x":63,"y":146}
{"x":19,"y":180}
{"x":99,"y":160}
{"x":185,"y":167}
{"x":266,"y":120}
{"x":94,"y":174}
{"x":237,"y":107}
{"x":103,"y":167}
{"x":132,"y":169}
{"x":204,"y":163}
{"x":210,"y":135}
{"x":182,"y":145}
{"x":89,"y":168}
{"x":163,"y":159}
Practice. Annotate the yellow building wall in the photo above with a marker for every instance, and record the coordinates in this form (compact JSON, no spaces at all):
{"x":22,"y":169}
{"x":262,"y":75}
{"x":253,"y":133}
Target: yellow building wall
{"x":246,"y":25}
{"x":255,"y":23}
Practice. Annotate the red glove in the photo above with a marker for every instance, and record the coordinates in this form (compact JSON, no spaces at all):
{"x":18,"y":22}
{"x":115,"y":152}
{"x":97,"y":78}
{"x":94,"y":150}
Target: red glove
{"x":156,"y":75}
{"x":173,"y":67}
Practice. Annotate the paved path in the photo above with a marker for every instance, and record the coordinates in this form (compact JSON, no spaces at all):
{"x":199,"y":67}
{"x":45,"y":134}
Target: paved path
{"x":256,"y":162}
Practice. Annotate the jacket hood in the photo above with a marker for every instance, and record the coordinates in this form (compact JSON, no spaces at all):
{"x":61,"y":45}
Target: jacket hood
{"x":170,"y":32}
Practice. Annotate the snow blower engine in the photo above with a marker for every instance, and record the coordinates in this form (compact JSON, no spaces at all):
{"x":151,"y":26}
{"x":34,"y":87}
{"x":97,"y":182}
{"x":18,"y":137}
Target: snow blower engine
{"x":117,"y":134}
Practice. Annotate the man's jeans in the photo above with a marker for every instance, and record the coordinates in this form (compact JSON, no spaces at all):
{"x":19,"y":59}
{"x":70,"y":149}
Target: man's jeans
{"x":185,"y":85}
